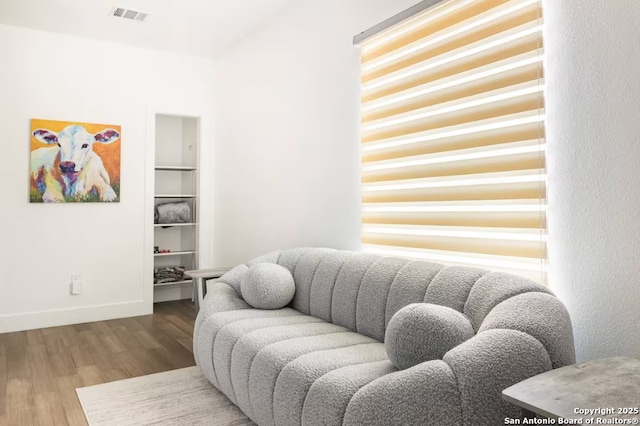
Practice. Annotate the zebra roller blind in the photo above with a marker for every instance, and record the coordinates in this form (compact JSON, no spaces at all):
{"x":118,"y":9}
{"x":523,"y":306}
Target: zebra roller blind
{"x":453,"y":148}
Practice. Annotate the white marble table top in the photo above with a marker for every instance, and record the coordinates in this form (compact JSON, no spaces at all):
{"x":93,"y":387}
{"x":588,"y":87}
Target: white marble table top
{"x":206,"y":273}
{"x":611,"y":386}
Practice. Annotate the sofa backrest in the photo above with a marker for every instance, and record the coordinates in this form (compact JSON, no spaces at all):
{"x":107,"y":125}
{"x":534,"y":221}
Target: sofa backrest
{"x":362,"y":292}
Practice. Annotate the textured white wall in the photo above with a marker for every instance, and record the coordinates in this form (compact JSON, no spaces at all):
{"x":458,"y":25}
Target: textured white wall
{"x":59,"y":77}
{"x":593,"y":105}
{"x":286,"y":159}
{"x":286,"y":156}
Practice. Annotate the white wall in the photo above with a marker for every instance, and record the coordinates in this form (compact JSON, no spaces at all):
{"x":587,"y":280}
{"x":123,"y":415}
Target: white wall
{"x":593,"y":105}
{"x":59,"y":77}
{"x":287,"y":156}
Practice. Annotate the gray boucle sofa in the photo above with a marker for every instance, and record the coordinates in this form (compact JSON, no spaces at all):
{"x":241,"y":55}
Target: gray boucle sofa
{"x":322,"y":360}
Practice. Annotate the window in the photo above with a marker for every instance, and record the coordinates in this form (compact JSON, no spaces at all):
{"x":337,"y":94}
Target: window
{"x":453,"y":148}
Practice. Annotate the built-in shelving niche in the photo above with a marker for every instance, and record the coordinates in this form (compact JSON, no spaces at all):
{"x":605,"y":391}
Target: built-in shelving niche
{"x":176,"y":180}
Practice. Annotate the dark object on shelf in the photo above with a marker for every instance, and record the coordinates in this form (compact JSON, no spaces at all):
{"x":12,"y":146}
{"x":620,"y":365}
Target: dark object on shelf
{"x":156,"y":249}
{"x":168,"y":275}
{"x":169,"y":213}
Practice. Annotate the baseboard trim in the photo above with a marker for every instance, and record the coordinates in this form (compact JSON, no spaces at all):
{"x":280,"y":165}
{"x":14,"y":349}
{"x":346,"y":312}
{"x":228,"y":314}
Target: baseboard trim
{"x":170,"y":294}
{"x":76,"y":315}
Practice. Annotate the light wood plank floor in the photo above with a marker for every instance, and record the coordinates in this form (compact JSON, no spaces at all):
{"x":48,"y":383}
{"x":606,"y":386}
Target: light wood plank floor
{"x":40,"y":369}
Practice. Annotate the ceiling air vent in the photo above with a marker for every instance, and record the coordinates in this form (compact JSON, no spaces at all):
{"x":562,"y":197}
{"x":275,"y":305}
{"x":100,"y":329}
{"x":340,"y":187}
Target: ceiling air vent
{"x":130,"y":14}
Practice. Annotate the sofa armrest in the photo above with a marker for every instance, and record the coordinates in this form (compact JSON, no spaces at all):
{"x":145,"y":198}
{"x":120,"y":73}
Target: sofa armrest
{"x":487,"y":364}
{"x":221,"y":297}
{"x":462,"y":389}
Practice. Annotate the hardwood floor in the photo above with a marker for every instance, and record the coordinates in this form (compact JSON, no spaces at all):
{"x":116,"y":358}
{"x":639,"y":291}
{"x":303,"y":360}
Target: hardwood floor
{"x":40,"y":369}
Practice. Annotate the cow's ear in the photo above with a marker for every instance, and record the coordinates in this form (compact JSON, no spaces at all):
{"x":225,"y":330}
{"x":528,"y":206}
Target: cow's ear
{"x":107,"y":136}
{"x":46,"y":136}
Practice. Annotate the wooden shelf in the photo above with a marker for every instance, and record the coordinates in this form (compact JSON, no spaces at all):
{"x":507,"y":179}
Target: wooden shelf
{"x":175,"y":196}
{"x":175,"y":169}
{"x":174,"y":253}
{"x":174,"y":283}
{"x":161,"y":225}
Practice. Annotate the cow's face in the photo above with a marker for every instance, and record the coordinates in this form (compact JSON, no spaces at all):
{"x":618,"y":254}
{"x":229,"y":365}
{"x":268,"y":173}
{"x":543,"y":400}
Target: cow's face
{"x":75,"y":145}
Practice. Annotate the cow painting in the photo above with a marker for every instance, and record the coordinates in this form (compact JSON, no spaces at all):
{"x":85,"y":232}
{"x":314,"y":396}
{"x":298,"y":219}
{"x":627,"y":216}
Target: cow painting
{"x":66,"y":167}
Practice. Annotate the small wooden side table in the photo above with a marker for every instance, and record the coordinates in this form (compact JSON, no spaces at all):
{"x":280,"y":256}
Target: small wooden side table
{"x":601,"y":389}
{"x":199,"y":278}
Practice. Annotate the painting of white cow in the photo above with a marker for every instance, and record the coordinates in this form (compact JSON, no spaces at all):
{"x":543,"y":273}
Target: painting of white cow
{"x":74,"y":162}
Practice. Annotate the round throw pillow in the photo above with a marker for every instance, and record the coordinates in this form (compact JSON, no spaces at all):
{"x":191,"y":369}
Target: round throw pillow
{"x":234,"y":277}
{"x":267,"y":286}
{"x":423,"y":332}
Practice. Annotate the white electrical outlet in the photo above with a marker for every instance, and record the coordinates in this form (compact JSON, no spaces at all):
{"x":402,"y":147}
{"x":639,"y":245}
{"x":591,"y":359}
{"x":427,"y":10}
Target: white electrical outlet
{"x":76,"y":284}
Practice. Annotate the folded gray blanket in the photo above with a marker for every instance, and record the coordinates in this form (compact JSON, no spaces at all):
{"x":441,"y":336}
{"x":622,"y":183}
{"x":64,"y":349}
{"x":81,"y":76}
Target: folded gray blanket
{"x":173,"y":213}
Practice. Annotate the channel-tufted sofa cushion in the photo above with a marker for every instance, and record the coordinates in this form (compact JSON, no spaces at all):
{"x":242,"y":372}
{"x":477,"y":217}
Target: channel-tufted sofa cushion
{"x":322,"y":361}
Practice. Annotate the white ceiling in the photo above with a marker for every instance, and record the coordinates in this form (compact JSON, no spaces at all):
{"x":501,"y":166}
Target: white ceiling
{"x":199,"y":27}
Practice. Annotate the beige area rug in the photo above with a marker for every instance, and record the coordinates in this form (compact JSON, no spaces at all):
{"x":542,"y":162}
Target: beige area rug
{"x":178,"y":397}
